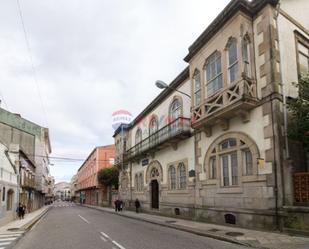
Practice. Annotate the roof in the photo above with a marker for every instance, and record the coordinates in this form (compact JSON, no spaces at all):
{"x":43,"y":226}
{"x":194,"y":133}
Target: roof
{"x":250,"y":8}
{"x":122,"y":127}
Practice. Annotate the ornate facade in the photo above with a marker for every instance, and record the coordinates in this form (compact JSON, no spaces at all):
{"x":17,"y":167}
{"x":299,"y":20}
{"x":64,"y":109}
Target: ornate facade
{"x":222,"y":155}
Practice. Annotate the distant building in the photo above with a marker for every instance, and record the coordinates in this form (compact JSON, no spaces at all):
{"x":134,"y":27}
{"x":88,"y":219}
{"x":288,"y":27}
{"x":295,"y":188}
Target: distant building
{"x":62,"y":191}
{"x":74,"y":189}
{"x":90,"y":191}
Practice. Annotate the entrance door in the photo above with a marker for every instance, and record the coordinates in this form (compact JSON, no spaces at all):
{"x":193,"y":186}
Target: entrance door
{"x":154,"y":194}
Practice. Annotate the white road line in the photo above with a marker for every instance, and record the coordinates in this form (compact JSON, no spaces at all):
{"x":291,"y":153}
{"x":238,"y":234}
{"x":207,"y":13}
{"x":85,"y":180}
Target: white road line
{"x":118,"y":245}
{"x":84,"y":219}
{"x":105,"y":235}
{"x":102,"y":238}
{"x":7,"y":239}
{"x":4,"y":243}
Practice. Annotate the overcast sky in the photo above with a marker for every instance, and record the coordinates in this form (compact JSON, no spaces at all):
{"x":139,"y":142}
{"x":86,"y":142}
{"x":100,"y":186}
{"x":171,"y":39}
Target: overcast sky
{"x":92,"y":58}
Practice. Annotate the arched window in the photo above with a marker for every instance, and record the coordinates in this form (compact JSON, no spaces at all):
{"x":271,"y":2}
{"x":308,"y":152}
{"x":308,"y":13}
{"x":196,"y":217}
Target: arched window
{"x":153,"y":128}
{"x":213,"y":73}
{"x":197,"y":88}
{"x":236,"y":156}
{"x":182,"y":176}
{"x":175,"y":113}
{"x":136,"y":183}
{"x":3,"y":194}
{"x":246,"y":55}
{"x":138,"y":136}
{"x":172,"y":177}
{"x":232,"y":60}
{"x":141,"y":182}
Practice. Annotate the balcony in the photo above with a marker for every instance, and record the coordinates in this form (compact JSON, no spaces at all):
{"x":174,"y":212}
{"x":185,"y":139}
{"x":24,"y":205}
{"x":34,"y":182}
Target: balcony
{"x":236,"y":99}
{"x":166,"y":136}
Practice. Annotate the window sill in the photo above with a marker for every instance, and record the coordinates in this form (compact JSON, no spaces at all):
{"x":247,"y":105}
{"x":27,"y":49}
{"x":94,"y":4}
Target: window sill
{"x":230,"y":190}
{"x":178,"y":191}
{"x":210,"y":182}
{"x":254,"y":178}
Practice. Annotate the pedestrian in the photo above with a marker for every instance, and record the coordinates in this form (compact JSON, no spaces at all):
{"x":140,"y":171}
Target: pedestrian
{"x":137,"y":205}
{"x":116,"y":203}
{"x":19,"y":211}
{"x":120,"y":205}
{"x":23,"y":211}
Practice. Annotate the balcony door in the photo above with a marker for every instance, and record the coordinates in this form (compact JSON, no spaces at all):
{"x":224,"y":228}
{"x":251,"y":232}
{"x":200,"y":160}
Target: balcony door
{"x":153,"y":128}
{"x":175,"y":113}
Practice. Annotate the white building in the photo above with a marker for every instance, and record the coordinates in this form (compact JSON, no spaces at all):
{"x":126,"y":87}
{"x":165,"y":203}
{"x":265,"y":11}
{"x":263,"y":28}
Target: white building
{"x":8,"y":186}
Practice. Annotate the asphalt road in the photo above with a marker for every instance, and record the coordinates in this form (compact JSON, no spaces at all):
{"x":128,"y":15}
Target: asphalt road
{"x":75,"y":227}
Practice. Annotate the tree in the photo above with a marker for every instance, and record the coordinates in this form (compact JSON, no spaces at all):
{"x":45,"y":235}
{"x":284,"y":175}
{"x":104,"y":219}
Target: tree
{"x":109,"y":177}
{"x":299,"y":110}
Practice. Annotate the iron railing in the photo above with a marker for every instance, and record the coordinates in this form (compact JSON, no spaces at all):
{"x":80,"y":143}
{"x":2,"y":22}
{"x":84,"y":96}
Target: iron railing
{"x":174,"y":129}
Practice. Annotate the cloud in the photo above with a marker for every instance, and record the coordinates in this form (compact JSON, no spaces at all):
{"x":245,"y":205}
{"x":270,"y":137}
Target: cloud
{"x":93,"y":58}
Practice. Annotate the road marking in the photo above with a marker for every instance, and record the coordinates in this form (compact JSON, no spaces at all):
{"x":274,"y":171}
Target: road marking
{"x":118,"y":245}
{"x":4,"y":243}
{"x":84,"y":219}
{"x":7,"y":239}
{"x":102,"y":238}
{"x":105,"y":235}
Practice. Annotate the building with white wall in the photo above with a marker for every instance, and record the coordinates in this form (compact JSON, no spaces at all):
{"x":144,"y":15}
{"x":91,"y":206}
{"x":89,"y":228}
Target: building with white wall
{"x":223,"y":154}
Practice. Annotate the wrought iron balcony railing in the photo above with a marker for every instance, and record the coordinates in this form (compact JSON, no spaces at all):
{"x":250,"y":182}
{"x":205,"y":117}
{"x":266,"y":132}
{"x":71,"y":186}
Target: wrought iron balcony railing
{"x":173,"y":132}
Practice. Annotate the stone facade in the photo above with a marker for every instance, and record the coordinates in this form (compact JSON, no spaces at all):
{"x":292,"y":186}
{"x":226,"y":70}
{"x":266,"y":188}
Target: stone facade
{"x":231,"y":164}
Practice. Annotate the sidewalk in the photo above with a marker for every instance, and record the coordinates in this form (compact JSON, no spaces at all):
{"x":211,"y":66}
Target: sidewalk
{"x":26,"y":223}
{"x":252,"y":238}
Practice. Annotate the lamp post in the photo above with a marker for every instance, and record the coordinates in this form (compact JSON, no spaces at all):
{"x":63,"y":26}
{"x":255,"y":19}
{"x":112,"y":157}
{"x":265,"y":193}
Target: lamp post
{"x":162,"y":85}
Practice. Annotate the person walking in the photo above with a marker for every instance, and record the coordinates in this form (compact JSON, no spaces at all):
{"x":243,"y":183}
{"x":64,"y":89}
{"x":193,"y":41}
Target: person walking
{"x":120,"y":205}
{"x":116,"y":203}
{"x":23,"y":211}
{"x":19,"y":211}
{"x":137,"y":205}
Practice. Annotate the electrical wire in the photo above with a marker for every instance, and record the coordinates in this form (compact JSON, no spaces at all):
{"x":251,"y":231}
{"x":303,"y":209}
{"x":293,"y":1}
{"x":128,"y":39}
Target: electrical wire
{"x":31,"y":60}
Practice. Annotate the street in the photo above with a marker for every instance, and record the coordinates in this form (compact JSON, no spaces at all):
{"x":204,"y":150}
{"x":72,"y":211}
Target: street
{"x":69,"y":226}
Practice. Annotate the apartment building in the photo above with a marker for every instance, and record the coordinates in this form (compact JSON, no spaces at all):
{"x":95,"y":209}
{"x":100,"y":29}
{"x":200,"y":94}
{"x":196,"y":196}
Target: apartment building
{"x":30,"y":147}
{"x":88,"y":188}
{"x":222,"y":155}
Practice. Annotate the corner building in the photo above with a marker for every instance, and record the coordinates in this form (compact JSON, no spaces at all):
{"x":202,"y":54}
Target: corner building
{"x":223,"y":155}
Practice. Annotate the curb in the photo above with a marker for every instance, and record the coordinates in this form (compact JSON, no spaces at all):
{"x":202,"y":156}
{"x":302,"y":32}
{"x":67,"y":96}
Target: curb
{"x":178,"y":227}
{"x":27,"y":227}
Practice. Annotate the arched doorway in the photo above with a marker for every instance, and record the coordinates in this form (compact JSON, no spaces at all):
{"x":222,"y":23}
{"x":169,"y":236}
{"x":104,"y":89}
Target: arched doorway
{"x":154,"y":186}
{"x":9,"y":201}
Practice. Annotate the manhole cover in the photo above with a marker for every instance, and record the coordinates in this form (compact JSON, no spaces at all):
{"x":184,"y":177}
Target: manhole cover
{"x":170,"y":221}
{"x":213,"y":230}
{"x":234,"y":234}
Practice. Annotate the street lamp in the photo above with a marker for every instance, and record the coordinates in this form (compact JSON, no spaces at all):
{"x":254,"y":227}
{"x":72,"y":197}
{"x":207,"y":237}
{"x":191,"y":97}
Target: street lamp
{"x":162,"y":85}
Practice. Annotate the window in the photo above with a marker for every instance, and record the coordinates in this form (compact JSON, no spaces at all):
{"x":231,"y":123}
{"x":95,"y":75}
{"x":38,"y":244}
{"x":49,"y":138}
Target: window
{"x":246,"y":55}
{"x":212,"y":168}
{"x":175,"y":113}
{"x":213,"y":73}
{"x":136,"y":183}
{"x":141,"y":182}
{"x":138,"y":136}
{"x":153,"y":128}
{"x":247,"y":161}
{"x":172,"y":177}
{"x":232,"y":59}
{"x":236,"y":157}
{"x":230,"y":169}
{"x":197,"y":88}
{"x":303,"y":58}
{"x":182,"y":176}
{"x":3,"y":194}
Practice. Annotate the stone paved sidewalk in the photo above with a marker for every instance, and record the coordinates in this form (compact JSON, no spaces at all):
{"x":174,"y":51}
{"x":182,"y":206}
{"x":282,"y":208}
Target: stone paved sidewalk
{"x":24,"y":224}
{"x":252,"y":238}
